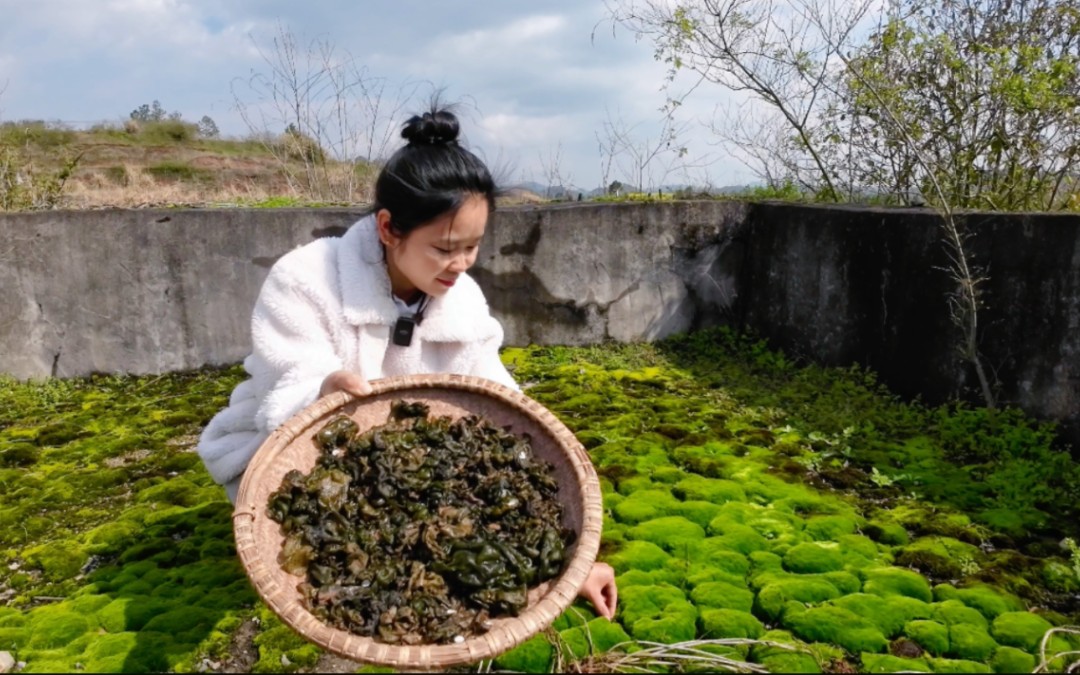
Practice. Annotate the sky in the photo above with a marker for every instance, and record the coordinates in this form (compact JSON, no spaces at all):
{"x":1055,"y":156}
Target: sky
{"x":536,"y":82}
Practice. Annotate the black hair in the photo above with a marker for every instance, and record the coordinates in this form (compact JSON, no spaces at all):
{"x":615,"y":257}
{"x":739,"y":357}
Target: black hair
{"x":432,"y":175}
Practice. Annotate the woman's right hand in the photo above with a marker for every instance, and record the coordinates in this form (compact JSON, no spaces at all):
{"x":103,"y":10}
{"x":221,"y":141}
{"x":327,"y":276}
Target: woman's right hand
{"x":346,"y":381}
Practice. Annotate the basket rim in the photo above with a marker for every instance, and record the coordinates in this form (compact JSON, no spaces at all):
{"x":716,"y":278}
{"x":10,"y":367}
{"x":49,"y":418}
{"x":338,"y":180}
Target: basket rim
{"x":508,"y":632}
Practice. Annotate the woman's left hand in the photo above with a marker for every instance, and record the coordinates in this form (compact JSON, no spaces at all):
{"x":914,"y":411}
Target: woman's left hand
{"x":599,"y":589}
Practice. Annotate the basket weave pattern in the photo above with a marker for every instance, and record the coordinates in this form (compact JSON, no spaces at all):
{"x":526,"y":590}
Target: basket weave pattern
{"x":259,"y":539}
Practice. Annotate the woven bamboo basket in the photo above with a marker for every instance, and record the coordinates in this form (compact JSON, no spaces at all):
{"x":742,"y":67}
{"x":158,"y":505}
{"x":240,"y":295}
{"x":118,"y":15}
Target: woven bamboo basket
{"x":259,"y":539}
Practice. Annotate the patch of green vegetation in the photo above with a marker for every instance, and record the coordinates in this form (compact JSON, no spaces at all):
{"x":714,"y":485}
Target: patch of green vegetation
{"x":717,"y":459}
{"x":930,"y":635}
{"x":179,"y":171}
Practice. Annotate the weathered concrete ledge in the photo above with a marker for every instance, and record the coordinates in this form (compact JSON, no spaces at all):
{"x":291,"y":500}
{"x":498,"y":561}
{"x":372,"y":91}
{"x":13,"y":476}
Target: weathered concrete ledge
{"x":143,"y":291}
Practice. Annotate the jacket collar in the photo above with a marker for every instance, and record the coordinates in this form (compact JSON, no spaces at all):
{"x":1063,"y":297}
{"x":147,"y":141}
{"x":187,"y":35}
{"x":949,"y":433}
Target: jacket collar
{"x":460,"y":315}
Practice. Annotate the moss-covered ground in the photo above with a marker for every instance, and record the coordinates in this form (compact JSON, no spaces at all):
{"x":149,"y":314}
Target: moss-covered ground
{"x":745,"y":497}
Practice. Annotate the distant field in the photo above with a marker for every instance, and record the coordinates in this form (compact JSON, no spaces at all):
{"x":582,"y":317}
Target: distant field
{"x":167,"y":163}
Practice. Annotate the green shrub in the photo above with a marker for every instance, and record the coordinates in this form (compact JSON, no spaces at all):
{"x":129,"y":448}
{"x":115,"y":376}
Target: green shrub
{"x":168,"y":131}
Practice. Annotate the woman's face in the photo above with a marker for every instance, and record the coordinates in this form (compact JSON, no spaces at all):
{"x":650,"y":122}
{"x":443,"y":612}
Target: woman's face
{"x":433,"y":256}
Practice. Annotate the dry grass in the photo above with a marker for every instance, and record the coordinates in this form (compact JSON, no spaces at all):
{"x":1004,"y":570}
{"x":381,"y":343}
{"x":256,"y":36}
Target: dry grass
{"x":114,"y":171}
{"x":1062,"y":662}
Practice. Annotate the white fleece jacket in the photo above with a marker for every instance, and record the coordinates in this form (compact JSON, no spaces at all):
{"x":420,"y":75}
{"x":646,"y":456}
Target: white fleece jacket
{"x":327,"y":306}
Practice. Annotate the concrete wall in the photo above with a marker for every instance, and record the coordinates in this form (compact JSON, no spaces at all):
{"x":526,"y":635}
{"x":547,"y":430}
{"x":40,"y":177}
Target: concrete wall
{"x":152,"y":291}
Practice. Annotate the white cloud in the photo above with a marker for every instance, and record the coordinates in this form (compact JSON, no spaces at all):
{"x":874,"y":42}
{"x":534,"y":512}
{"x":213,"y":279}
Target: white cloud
{"x":533,"y":76}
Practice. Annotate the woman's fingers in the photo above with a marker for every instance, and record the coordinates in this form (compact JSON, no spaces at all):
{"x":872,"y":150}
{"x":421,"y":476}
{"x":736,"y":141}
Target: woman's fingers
{"x":346,"y":381}
{"x":599,"y":589}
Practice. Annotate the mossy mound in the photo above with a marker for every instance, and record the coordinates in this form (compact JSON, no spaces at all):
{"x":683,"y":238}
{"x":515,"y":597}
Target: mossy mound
{"x":674,"y":534}
{"x":659,"y":613}
{"x":970,"y":642}
{"x":774,"y":597}
{"x":595,"y":637}
{"x":799,"y":659}
{"x":837,"y":626}
{"x":721,"y":595}
{"x":532,"y":656}
{"x":729,"y":623}
{"x":894,"y":581}
{"x":930,"y":635}
{"x":808,"y":558}
{"x":888,"y":613}
{"x":638,"y":555}
{"x":958,"y":666}
{"x":989,"y":601}
{"x":887,"y":663}
{"x":707,"y":445}
{"x":1012,"y":660}
{"x":1023,"y":630}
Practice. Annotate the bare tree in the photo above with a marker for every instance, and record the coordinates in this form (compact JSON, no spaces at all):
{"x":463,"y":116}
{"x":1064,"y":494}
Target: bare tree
{"x":558,"y":182}
{"x":759,"y":47}
{"x":643,"y":160}
{"x":338,"y":119}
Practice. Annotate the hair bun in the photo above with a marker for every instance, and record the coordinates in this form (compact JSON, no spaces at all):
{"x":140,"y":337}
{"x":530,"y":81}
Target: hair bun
{"x":438,"y":127}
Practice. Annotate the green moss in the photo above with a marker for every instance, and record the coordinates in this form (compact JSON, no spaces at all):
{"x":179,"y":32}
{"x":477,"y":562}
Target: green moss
{"x":1012,"y":660}
{"x":54,"y":627}
{"x":720,"y":595}
{"x":958,"y":666}
{"x":989,"y":601}
{"x":596,"y":637}
{"x":532,"y":656}
{"x":779,"y":660}
{"x":729,"y":623}
{"x":9,"y":617}
{"x":772,"y":599}
{"x":672,"y":533}
{"x":814,"y":557}
{"x":713,"y":490}
{"x":888,"y":613}
{"x":822,"y":528}
{"x":699,"y":512}
{"x":122,"y":652}
{"x":968,"y":641}
{"x":57,"y":560}
{"x":887,"y":663}
{"x":736,"y":537}
{"x":765,"y":561}
{"x":895,"y":581}
{"x":639,"y":555}
{"x":1020,"y":629}
{"x":931,"y":635}
{"x":659,"y":613}
{"x":715,"y":552}
{"x":577,"y":614}
{"x":1059,"y":577}
{"x":857,"y":545}
{"x":131,"y":613}
{"x":13,"y":638}
{"x":888,"y":533}
{"x":952,"y":612}
{"x":644,"y":505}
{"x":837,"y":626}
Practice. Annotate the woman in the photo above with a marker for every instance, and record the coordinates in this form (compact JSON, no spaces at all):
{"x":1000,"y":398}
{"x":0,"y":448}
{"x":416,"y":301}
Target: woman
{"x":390,"y":297}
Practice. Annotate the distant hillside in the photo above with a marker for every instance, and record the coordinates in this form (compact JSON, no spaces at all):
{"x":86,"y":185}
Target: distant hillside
{"x":167,"y":163}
